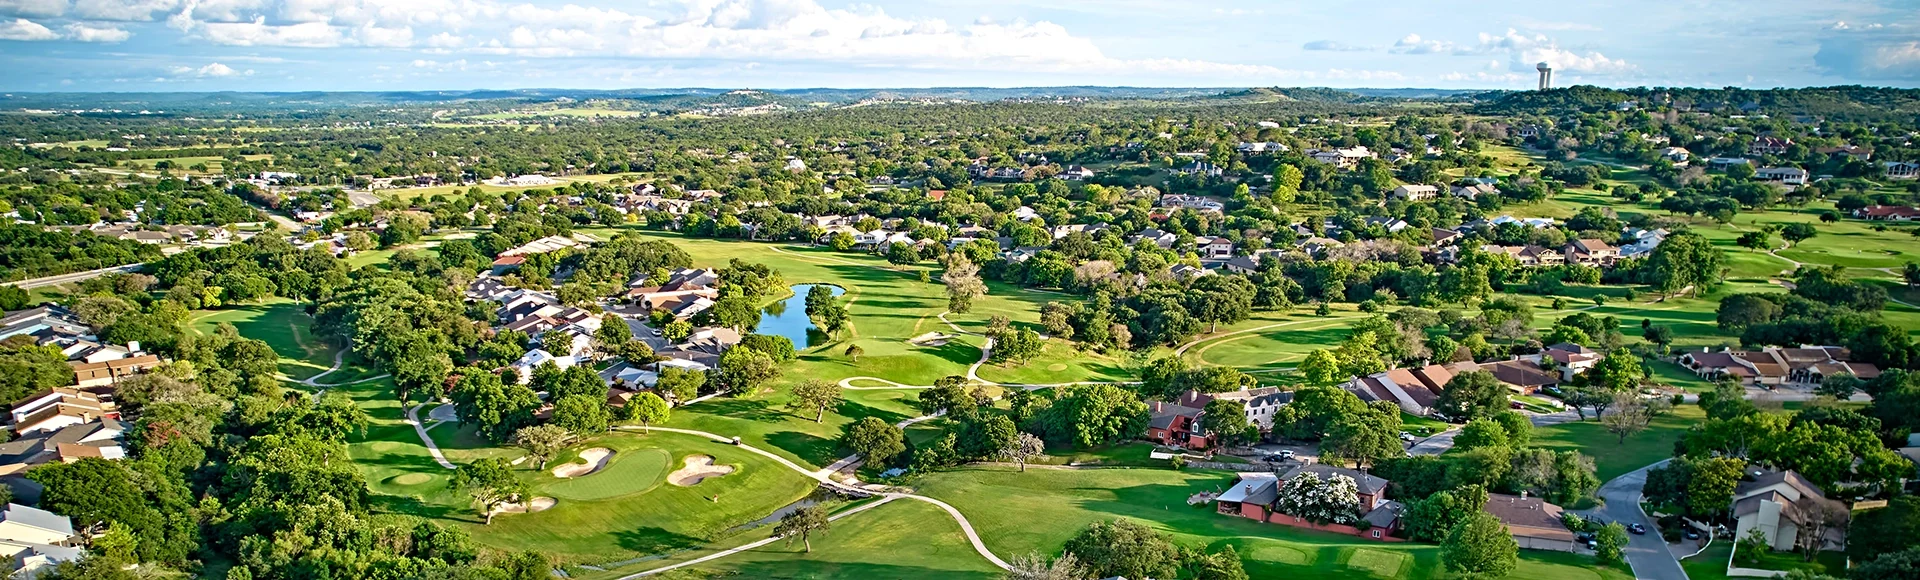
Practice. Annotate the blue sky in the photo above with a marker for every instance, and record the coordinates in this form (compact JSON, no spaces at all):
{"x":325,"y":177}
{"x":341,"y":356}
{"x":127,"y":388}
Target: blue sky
{"x":282,"y":45}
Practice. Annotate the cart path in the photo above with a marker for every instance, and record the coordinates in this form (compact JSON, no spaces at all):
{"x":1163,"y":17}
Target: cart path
{"x":756,"y":544}
{"x":339,"y":359}
{"x":820,"y":476}
{"x":413,"y":418}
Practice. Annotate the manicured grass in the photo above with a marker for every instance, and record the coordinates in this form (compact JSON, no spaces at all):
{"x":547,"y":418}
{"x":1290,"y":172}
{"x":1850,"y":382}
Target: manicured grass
{"x":903,"y":539}
{"x":1826,"y":563}
{"x":1710,"y":564}
{"x":1061,"y":358}
{"x":629,"y":471}
{"x":1613,"y":458}
{"x":284,"y":325}
{"x":1004,"y":505}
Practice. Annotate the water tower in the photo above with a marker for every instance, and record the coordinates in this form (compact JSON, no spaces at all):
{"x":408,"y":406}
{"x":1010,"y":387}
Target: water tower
{"x":1546,"y":75}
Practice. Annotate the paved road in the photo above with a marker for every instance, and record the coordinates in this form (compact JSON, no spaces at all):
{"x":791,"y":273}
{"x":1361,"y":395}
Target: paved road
{"x":1647,"y":554}
{"x":1440,"y":442}
{"x":73,"y":277}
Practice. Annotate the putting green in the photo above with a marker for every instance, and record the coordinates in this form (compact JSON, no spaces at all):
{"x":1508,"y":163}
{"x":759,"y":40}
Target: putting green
{"x":410,"y":479}
{"x":1381,"y":563}
{"x":1265,"y":550}
{"x":629,"y":472}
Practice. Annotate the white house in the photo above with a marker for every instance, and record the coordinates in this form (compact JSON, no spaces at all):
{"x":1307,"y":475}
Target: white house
{"x":1782,"y":175}
{"x":1782,"y":505}
{"x":533,"y":359}
{"x":27,"y":525}
{"x":1415,"y":192}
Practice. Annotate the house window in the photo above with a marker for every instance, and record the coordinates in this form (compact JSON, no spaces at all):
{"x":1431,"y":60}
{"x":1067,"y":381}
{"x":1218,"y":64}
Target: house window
{"x":1376,"y":534}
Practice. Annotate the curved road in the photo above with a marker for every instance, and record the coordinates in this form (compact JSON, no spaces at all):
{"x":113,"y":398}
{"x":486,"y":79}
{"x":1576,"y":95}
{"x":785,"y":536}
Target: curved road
{"x":1647,"y":554}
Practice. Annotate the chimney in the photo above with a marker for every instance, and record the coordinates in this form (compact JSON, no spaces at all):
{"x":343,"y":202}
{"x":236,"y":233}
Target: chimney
{"x":1523,"y":494}
{"x":133,"y":347}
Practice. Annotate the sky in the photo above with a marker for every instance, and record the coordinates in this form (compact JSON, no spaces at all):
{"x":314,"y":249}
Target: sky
{"x":337,"y":45}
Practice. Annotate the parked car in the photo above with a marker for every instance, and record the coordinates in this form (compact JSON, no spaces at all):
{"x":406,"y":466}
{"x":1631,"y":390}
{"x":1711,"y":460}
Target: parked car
{"x":1516,"y":405}
{"x":1405,"y":436}
{"x":1637,"y":529}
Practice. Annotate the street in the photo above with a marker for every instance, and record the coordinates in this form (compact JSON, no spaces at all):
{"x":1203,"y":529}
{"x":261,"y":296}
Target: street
{"x":1648,"y":553}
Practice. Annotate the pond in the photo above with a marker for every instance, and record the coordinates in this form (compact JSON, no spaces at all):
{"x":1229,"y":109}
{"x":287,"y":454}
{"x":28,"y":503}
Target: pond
{"x":788,"y":318}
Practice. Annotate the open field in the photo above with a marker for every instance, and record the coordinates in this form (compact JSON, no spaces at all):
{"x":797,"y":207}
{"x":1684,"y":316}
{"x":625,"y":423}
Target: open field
{"x":1612,"y":458}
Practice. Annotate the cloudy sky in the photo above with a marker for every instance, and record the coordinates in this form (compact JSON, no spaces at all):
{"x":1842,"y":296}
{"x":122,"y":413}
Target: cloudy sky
{"x":278,"y":45}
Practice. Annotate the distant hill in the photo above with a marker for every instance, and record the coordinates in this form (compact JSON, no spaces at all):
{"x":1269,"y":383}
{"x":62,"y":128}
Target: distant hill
{"x":1848,"y":103}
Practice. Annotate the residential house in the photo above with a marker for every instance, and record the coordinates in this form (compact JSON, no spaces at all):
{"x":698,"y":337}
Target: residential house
{"x":1261,"y":147}
{"x":1025,"y":214}
{"x":1474,"y":191}
{"x":504,"y":264}
{"x":59,"y":407}
{"x":1214,"y":247}
{"x":1414,"y":390}
{"x":1261,"y":404}
{"x":1782,"y":175}
{"x":1591,"y":252}
{"x":35,"y":539}
{"x":1202,"y":168}
{"x":1783,"y":505}
{"x":1641,"y":242}
{"x":1192,"y":202}
{"x":1445,"y":237}
{"x":551,"y":243}
{"x":1255,"y":495}
{"x":1184,"y":271}
{"x":685,"y":292}
{"x":1725,"y":162}
{"x":1533,"y":523}
{"x":1521,"y":376}
{"x":1772,"y":366}
{"x":1163,"y":239}
{"x":1176,"y":425}
{"x":1317,"y":246}
{"x":101,"y":438}
{"x":1389,"y":223}
{"x":523,"y":368}
{"x":1677,"y":155}
{"x":1076,"y":173}
{"x":1895,"y":213}
{"x":1571,"y":359}
{"x":1901,"y":169}
{"x":1846,"y":151}
{"x":105,"y":373}
{"x":1344,"y":157}
{"x":47,"y":325}
{"x":1415,"y":192}
{"x":1768,"y":145}
{"x":1529,"y":255}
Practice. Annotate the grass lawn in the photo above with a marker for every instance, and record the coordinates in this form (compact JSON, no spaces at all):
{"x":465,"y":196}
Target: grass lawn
{"x":1827,"y":563}
{"x":284,"y":325}
{"x":1003,"y":506}
{"x":903,"y":539}
{"x":1612,"y":458}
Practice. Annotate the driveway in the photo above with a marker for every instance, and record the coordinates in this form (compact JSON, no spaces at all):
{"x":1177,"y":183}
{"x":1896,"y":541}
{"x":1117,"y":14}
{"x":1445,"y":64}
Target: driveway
{"x":1647,"y":554}
{"x":1437,"y":444}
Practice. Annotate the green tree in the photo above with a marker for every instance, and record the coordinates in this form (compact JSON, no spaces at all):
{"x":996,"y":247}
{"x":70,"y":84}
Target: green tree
{"x":1224,"y":565}
{"x":803,"y":523}
{"x":1366,"y":437}
{"x":541,"y":442}
{"x":491,"y":484}
{"x":1611,"y":542}
{"x":815,"y":395}
{"x":744,"y":370}
{"x":1471,"y":395}
{"x":901,"y":254}
{"x":1321,"y":369}
{"x":1226,"y":420}
{"x":1620,"y":370}
{"x":682,"y":384}
{"x":1684,"y":260}
{"x":1434,"y":517}
{"x":649,"y":408}
{"x":1095,"y":415}
{"x":1480,"y":547}
{"x":875,"y":439}
{"x":498,"y":409}
{"x":1481,"y":433}
{"x":1125,"y":548}
{"x":582,"y":413}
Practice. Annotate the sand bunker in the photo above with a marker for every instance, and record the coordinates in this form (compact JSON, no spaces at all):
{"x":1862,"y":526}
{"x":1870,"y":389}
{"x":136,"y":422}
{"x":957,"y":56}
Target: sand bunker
{"x":930,"y":339}
{"x":538,"y":504}
{"x":595,"y":459}
{"x":698,"y":468}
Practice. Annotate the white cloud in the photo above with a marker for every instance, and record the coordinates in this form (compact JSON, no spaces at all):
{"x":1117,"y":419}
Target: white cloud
{"x":211,"y":70}
{"x":123,"y":10}
{"x":89,"y":33}
{"x":25,"y":30}
{"x":259,"y":33}
{"x":1335,"y":46}
{"x":1525,"y":51}
{"x":34,"y":8}
{"x":1870,"y":52}
{"x":1413,"y":44}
